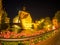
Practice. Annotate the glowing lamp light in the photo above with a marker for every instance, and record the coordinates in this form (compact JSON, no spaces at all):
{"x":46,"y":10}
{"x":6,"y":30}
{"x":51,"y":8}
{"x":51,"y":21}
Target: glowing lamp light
{"x":48,"y":27}
{"x":53,"y":27}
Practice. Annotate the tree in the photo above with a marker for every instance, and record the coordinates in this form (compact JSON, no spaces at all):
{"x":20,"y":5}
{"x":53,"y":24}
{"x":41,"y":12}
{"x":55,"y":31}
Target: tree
{"x":3,"y":20}
{"x":47,"y":23}
{"x":57,"y":16}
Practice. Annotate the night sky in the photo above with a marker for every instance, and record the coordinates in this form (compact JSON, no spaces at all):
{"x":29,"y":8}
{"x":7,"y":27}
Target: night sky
{"x":38,"y":9}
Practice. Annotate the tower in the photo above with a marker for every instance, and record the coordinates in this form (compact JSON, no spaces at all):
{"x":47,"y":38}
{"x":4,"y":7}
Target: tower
{"x":25,"y":19}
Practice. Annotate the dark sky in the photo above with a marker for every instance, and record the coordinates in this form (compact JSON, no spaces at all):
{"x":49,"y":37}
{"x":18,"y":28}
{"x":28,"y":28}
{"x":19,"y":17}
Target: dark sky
{"x":36,"y":8}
